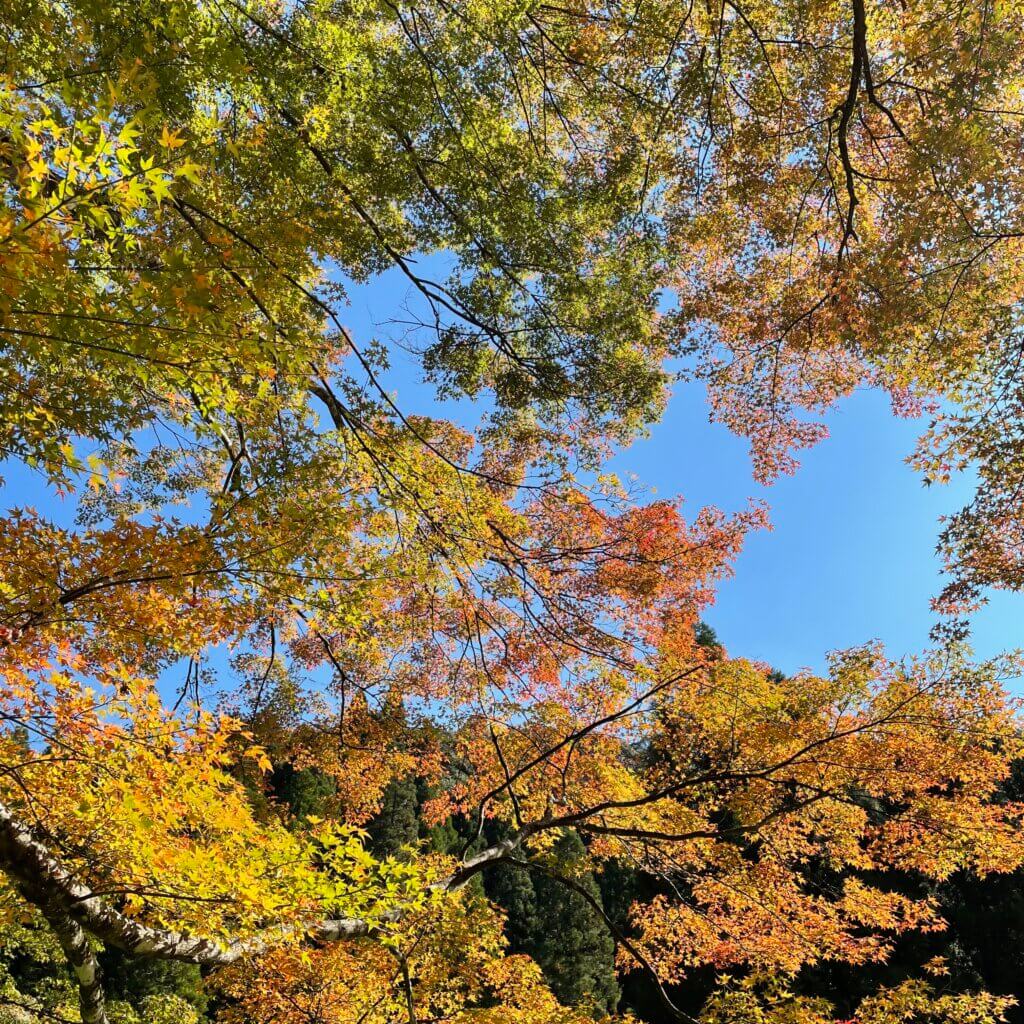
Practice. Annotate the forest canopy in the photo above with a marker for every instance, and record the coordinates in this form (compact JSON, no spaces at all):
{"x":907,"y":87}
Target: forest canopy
{"x":463,"y":678}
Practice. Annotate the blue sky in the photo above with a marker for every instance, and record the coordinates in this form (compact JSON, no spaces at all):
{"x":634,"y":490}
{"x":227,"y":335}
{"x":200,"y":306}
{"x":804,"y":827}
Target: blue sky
{"x":851,"y":557}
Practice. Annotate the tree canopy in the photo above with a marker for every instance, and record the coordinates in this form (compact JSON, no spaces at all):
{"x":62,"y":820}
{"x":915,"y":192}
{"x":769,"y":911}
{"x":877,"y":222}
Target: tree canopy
{"x":793,"y":198}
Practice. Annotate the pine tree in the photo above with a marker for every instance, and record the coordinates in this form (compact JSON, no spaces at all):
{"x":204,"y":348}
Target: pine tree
{"x":305,"y":791}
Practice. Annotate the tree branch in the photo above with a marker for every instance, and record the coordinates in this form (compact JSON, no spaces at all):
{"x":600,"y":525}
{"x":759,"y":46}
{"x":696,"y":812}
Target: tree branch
{"x":69,"y":905}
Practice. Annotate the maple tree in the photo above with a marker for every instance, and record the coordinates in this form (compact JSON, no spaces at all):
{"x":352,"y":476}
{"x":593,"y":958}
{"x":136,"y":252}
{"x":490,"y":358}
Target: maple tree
{"x":188,"y":188}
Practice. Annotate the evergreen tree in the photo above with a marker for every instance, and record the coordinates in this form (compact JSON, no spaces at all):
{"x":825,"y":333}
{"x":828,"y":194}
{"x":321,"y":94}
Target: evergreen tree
{"x":573,"y":944}
{"x":397,"y":823}
{"x":706,"y":637}
{"x":558,"y":928}
{"x":513,"y":890}
{"x":305,"y":791}
{"x":986,"y":926}
{"x":134,"y":980}
{"x":986,"y":923}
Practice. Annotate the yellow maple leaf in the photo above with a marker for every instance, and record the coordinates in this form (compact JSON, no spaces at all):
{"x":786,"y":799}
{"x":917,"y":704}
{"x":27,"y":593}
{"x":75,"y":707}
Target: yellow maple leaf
{"x":170,"y":140}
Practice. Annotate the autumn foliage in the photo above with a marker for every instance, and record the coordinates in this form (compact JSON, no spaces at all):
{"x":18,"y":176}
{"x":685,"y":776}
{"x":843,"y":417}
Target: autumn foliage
{"x":252,"y":557}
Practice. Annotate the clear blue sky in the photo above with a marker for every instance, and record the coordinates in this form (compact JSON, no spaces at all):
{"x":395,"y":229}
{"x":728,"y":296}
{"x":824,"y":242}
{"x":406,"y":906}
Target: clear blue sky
{"x":851,"y":557}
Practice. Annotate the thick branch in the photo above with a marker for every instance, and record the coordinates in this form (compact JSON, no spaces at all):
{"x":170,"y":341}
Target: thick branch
{"x":75,"y":944}
{"x":69,"y":905}
{"x":46,"y":884}
{"x":857,"y":67}
{"x":18,"y":850}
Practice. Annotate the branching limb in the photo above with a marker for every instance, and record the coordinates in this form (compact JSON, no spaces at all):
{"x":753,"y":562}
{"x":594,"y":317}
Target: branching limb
{"x":45,"y":883}
{"x":80,"y":955}
{"x":846,"y":111}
